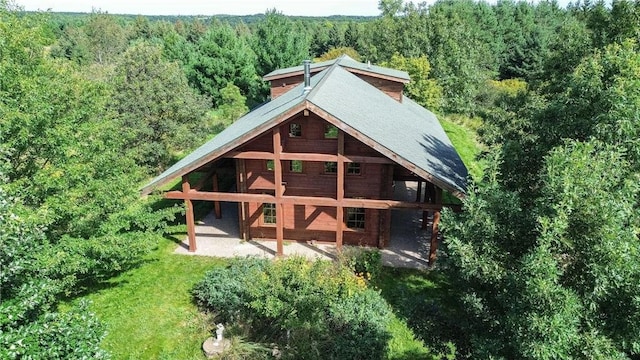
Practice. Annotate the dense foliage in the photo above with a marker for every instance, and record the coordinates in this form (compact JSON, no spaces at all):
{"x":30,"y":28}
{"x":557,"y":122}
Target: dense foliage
{"x":311,"y":310}
{"x":545,"y":257}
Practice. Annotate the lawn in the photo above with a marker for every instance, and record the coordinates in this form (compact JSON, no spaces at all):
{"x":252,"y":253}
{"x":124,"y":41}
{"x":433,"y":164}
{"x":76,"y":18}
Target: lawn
{"x":460,"y":131}
{"x":148,"y":310}
{"x":149,"y":313}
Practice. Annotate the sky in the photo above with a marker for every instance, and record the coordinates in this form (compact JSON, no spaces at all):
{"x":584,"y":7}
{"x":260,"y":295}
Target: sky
{"x":208,"y":7}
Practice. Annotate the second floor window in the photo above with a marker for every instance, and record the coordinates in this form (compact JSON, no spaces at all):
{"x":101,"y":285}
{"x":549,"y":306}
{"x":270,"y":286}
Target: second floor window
{"x":295,"y":130}
{"x":330,"y":132}
{"x":295,"y":166}
{"x":330,"y":167}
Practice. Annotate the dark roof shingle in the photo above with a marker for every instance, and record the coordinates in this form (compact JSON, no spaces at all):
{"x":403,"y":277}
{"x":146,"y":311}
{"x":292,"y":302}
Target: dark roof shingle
{"x":404,"y":131}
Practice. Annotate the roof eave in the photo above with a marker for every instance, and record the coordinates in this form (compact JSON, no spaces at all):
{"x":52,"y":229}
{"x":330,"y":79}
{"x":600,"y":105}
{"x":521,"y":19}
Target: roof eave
{"x":458,"y":193}
{"x":215,"y":155}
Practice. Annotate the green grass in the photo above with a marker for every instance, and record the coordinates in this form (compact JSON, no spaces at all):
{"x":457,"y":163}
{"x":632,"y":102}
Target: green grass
{"x":148,"y":311}
{"x":464,"y":138}
{"x":421,"y":303}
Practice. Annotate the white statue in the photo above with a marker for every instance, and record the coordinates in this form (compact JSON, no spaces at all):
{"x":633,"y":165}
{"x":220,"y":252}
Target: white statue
{"x":219,"y":330}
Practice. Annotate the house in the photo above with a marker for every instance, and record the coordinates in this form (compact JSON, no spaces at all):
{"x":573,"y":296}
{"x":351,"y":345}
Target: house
{"x":318,"y":162}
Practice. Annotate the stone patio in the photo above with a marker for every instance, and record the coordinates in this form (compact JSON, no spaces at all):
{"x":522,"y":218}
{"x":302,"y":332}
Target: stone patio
{"x":408,"y":244}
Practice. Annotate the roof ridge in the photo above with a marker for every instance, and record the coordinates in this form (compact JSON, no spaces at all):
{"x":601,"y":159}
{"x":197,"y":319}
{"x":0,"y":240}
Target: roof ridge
{"x":328,"y":70}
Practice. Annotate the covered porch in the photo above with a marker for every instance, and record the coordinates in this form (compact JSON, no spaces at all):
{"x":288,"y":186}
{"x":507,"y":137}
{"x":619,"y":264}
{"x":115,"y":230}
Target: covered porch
{"x":409,"y":243}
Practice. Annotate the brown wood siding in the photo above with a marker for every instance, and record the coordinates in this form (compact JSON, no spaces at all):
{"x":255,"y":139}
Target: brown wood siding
{"x":306,"y":223}
{"x":311,"y":223}
{"x":281,"y":86}
{"x":389,"y":87}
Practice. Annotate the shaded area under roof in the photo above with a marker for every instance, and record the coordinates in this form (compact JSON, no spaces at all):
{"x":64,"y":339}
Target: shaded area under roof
{"x":404,"y":131}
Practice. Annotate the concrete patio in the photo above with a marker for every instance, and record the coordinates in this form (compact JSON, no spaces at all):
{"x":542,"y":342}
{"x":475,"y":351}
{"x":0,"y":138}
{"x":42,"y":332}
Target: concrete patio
{"x":408,"y":244}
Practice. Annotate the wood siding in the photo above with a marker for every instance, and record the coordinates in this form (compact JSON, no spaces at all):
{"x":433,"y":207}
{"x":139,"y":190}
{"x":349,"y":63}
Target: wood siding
{"x":307,"y":223}
{"x":389,"y":87}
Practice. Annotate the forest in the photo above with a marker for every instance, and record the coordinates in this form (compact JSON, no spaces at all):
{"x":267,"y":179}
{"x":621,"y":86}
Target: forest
{"x":543,"y":263}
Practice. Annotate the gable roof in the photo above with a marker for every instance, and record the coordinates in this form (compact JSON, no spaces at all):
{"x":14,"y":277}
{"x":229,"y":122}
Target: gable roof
{"x":403,"y":131}
{"x":346,"y":62}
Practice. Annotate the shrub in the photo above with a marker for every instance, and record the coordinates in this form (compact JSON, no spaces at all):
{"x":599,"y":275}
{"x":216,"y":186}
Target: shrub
{"x":366,"y":263}
{"x":223,"y":290}
{"x":310,"y":310}
{"x":358,"y":326}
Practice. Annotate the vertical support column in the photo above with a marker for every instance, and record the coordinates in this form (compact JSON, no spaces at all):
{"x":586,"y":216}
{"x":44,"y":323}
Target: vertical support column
{"x":425,"y":214}
{"x":216,"y":204}
{"x":340,"y":191}
{"x":419,"y":191}
{"x":386,"y":192}
{"x":243,"y":208}
{"x":433,"y":248}
{"x":429,"y":197}
{"x":279,"y":191}
{"x":191,"y":224}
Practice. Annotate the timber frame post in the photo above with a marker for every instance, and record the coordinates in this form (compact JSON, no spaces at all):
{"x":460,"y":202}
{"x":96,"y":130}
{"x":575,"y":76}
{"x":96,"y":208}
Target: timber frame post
{"x":191,"y":227}
{"x":279,"y":192}
{"x":216,"y":204}
{"x":340,"y":191}
{"x":243,"y":207}
{"x":433,"y":246}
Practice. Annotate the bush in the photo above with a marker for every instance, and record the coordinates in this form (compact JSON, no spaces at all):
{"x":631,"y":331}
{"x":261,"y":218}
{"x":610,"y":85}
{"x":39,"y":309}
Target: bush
{"x":358,"y":326}
{"x":224,"y":291}
{"x":310,"y":310}
{"x":366,"y":263}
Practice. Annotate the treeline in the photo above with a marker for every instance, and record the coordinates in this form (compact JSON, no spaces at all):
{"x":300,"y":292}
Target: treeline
{"x":545,"y":257}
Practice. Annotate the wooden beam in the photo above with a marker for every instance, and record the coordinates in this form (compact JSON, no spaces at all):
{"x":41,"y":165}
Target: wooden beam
{"x":279,"y":191}
{"x":253,"y":155}
{"x":264,"y":155}
{"x":219,"y":196}
{"x":300,"y":200}
{"x":191,"y":224}
{"x":433,"y":248}
{"x":340,"y":191}
{"x":243,"y":208}
{"x":419,"y":191}
{"x":216,"y":204}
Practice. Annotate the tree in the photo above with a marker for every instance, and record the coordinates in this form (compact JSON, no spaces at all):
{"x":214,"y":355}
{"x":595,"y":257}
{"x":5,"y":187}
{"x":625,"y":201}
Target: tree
{"x":68,"y":195}
{"x":278,"y":43}
{"x":107,"y":39}
{"x":222,"y":58}
{"x":157,"y":110}
{"x":335,"y":53}
{"x":422,"y":89}
{"x":554,"y":280}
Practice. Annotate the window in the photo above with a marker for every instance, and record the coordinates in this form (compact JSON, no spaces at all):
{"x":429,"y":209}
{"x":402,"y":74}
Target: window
{"x":330,"y":167}
{"x":330,"y":132}
{"x":355,"y":218}
{"x":295,"y":130}
{"x":268,"y":213}
{"x":270,"y":165}
{"x":353,"y":168}
{"x":295,"y":166}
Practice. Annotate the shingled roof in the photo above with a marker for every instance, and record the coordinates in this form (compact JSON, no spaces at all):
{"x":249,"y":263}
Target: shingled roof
{"x":403,"y":131}
{"x":346,"y":62}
